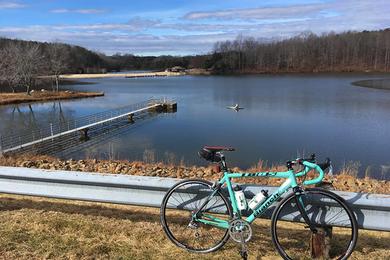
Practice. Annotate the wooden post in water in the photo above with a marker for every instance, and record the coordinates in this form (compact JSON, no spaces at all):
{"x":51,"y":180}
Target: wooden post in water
{"x":84,"y":134}
{"x":131,"y":118}
{"x":320,"y":243}
{"x":172,"y":107}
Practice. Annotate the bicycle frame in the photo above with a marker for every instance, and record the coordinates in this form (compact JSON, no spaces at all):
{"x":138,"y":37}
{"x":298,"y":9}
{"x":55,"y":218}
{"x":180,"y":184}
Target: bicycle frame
{"x":290,"y":182}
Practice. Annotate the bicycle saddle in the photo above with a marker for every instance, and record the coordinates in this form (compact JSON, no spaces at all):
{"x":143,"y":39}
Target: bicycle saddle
{"x":219,"y":148}
{"x":209,"y":153}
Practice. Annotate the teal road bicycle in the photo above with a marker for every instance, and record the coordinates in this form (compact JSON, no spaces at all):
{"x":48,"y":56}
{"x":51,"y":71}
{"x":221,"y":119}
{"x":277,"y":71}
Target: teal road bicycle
{"x":306,"y":223}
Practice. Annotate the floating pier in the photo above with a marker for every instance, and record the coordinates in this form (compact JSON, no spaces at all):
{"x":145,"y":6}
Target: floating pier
{"x":124,"y":75}
{"x":82,"y":126}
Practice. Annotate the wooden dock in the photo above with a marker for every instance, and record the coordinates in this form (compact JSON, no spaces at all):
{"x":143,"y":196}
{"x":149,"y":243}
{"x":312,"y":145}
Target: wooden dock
{"x":124,"y":75}
{"x":16,"y":142}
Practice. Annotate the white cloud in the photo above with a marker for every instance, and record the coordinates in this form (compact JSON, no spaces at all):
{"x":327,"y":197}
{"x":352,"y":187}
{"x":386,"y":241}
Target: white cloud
{"x":78,"y":11}
{"x":11,"y":5}
{"x":113,"y":42}
{"x":258,"y":13}
{"x":178,"y":36}
{"x":133,"y":25}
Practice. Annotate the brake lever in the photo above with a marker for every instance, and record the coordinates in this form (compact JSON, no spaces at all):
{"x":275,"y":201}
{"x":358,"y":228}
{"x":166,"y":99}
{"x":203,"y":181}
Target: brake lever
{"x":330,"y":170}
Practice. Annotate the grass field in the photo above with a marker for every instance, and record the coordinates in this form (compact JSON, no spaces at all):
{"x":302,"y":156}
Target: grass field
{"x":39,"y":228}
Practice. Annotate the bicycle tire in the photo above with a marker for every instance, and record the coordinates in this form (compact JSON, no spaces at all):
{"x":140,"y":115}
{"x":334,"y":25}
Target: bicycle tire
{"x":169,"y":216}
{"x":315,"y":206}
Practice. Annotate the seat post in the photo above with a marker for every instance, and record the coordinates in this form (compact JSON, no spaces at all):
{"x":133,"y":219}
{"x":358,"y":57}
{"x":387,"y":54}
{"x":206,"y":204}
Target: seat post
{"x":223,"y":162}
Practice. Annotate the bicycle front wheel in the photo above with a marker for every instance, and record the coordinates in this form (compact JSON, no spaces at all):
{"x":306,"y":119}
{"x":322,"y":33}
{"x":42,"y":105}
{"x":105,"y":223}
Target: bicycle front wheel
{"x":333,"y":231}
{"x":177,"y":209}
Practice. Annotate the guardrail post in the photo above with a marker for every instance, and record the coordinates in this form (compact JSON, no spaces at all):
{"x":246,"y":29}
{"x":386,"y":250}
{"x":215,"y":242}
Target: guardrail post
{"x":320,"y":243}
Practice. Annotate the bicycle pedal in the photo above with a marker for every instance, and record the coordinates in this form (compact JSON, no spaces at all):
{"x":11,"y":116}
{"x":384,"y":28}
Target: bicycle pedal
{"x":244,"y":250}
{"x":244,"y":255}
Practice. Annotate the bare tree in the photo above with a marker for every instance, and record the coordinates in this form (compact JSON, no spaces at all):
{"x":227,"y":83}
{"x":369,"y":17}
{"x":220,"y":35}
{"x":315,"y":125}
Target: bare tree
{"x":307,"y":52}
{"x":58,"y":61}
{"x":29,"y":65}
{"x":8,"y":65}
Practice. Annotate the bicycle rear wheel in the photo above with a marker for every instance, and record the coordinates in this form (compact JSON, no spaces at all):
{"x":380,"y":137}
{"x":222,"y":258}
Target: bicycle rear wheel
{"x":335,"y":227}
{"x":177,"y":207}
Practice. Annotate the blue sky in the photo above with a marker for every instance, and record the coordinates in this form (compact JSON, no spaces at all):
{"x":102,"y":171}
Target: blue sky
{"x":149,"y":27}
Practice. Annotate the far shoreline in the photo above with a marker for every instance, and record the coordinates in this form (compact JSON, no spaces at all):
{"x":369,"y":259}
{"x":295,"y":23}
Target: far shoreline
{"x":207,"y":72}
{"x":122,"y":75}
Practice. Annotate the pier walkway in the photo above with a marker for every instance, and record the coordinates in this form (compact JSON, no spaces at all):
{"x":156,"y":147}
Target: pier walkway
{"x":15,"y":142}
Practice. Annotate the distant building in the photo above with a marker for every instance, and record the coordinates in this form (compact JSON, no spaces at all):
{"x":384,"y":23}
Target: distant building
{"x":175,"y":69}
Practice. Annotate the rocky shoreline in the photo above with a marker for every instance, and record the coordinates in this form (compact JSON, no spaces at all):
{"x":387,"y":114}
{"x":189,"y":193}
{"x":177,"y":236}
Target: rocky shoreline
{"x":340,"y":182}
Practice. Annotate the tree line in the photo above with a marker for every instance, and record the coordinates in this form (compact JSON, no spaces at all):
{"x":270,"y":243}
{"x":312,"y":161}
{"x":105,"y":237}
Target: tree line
{"x":23,"y":62}
{"x":307,"y":52}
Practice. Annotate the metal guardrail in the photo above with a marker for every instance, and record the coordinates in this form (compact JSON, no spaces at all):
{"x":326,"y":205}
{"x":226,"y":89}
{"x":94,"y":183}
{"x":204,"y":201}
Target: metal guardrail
{"x":372,"y":210}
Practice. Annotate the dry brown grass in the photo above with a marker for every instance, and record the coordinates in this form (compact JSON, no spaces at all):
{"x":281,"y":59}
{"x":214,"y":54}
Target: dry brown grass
{"x":344,"y":181}
{"x":37,"y":228}
{"x":17,"y":98}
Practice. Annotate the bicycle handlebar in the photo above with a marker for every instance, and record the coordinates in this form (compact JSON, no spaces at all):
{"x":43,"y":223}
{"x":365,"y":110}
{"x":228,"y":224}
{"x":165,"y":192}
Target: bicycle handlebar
{"x":311,"y":165}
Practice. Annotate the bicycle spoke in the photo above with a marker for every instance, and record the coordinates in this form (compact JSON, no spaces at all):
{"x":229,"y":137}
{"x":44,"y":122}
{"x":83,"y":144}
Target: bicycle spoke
{"x":293,"y":240}
{"x":178,"y":223}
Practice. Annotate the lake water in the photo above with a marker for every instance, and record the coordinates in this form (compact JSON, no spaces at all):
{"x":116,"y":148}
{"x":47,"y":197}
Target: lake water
{"x":284,"y":116}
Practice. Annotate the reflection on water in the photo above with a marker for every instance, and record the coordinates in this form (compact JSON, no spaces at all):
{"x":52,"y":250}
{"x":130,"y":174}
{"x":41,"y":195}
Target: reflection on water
{"x":24,"y":118}
{"x":285,"y":116}
{"x":374,"y":83}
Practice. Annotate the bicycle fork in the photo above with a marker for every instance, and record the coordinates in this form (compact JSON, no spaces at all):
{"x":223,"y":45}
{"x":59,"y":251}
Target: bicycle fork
{"x":301,"y":207}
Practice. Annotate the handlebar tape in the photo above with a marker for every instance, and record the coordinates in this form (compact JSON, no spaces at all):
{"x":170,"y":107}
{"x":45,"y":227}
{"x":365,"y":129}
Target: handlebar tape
{"x":318,"y":169}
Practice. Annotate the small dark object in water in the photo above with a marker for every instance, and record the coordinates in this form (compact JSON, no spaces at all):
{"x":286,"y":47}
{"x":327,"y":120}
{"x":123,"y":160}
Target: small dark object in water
{"x":235,"y":107}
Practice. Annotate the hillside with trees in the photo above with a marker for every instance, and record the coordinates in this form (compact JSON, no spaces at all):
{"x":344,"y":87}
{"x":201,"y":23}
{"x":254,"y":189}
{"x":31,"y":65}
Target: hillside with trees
{"x":22,"y":62}
{"x":331,"y":52}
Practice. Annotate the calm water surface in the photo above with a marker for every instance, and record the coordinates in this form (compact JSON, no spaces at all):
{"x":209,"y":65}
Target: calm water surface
{"x":285,"y":116}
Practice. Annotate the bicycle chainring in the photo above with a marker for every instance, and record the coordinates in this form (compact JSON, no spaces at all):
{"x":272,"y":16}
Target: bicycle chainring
{"x":240,"y":231}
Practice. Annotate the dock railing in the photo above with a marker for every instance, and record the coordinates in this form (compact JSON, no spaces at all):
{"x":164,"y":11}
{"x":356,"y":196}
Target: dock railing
{"x":15,"y":141}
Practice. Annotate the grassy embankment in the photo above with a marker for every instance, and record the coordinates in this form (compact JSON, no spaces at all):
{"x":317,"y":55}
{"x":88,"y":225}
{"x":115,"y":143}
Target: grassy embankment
{"x":48,"y":228}
{"x":39,"y":96}
{"x":17,"y":98}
